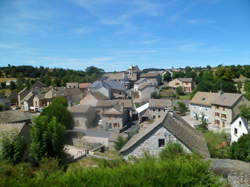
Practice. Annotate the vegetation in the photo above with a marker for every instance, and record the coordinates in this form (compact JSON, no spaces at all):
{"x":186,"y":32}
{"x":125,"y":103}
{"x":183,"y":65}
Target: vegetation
{"x":245,"y":112}
{"x":179,"y":170}
{"x":58,"y":109}
{"x":182,"y":108}
{"x":12,"y":147}
{"x":241,"y":149}
{"x":47,"y":138}
{"x":247,"y":89}
{"x":26,"y":75}
{"x":121,"y":141}
{"x":180,"y":91}
{"x":218,"y":144}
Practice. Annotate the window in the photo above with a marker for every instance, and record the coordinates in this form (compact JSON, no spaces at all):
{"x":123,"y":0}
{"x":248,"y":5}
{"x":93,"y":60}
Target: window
{"x":153,"y":117}
{"x":223,"y":116}
{"x":159,"y":116}
{"x":235,"y":131}
{"x":217,"y":114}
{"x":217,"y":107}
{"x":159,"y":109}
{"x":240,"y":123}
{"x":161,"y":142}
{"x":217,"y":122}
{"x":153,"y":110}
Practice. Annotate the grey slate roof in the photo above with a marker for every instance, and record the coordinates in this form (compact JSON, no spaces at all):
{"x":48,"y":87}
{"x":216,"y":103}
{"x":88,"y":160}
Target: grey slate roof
{"x":79,"y":108}
{"x":185,"y":79}
{"x":108,"y":84}
{"x":160,"y":103}
{"x":227,"y":99}
{"x":204,"y":98}
{"x":189,"y":136}
{"x":12,"y":116}
{"x":110,"y":103}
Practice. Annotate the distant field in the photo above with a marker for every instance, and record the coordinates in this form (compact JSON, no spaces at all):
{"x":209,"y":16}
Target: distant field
{"x":6,"y":79}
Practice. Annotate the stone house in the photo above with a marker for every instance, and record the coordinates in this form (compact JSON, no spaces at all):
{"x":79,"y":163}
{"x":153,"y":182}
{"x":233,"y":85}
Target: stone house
{"x":84,"y":116}
{"x":152,"y":77}
{"x":120,"y":77}
{"x":186,"y":83}
{"x":218,"y":109}
{"x":84,"y":86}
{"x":134,"y":73}
{"x":144,"y":91}
{"x":72,"y":85}
{"x":169,"y":128}
{"x":225,"y":108}
{"x":200,"y":105}
{"x":114,"y":118}
{"x":109,"y":88}
{"x":158,"y":108}
{"x":239,"y":127}
{"x":114,"y":114}
{"x":92,"y":98}
{"x":15,"y":116}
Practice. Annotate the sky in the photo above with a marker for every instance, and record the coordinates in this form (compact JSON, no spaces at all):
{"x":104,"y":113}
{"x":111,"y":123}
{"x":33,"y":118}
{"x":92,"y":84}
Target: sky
{"x":115,"y":34}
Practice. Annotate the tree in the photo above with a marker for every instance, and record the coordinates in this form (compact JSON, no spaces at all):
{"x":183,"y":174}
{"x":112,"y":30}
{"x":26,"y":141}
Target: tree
{"x":241,"y":149}
{"x":12,"y":147}
{"x":61,"y":113}
{"x":172,"y":150}
{"x":47,"y":138}
{"x":245,"y":112}
{"x":247,"y":89}
{"x":12,"y":85}
{"x":167,"y":77}
{"x":182,"y":108}
{"x":179,"y":90}
{"x":121,"y":141}
{"x":61,"y":101}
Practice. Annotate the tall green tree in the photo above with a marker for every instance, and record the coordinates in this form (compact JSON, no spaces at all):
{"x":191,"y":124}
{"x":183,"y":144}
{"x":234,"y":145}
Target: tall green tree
{"x":47,"y":138}
{"x":12,"y":147}
{"x":59,"y":110}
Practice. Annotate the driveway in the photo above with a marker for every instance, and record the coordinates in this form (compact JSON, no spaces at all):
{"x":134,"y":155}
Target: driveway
{"x":192,"y":122}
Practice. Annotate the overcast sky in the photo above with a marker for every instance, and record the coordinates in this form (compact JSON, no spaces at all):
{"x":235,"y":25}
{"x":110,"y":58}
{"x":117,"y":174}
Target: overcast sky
{"x":114,"y":34}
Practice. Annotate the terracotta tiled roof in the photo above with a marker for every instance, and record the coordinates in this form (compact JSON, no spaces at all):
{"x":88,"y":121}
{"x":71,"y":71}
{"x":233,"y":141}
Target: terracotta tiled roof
{"x":84,"y":85}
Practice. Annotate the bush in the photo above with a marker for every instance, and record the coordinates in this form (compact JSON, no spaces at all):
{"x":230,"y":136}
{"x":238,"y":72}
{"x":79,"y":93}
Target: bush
{"x":174,"y":172}
{"x":172,"y":150}
{"x":121,"y":141}
{"x":12,"y":148}
{"x":182,"y":108}
{"x":218,"y":144}
{"x":241,"y":150}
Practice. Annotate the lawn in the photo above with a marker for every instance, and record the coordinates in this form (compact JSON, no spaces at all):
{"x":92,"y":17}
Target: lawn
{"x":185,"y":97}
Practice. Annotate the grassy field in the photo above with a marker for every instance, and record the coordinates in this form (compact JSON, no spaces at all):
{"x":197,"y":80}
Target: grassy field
{"x":185,"y":97}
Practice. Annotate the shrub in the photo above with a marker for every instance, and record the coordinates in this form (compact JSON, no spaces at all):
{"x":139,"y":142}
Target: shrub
{"x":120,"y":142}
{"x":241,"y":150}
{"x":12,"y":148}
{"x":172,"y":150}
{"x":218,"y":144}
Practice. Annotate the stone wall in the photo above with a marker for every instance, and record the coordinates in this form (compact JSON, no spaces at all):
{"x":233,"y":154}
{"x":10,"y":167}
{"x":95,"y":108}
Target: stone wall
{"x":150,"y":143}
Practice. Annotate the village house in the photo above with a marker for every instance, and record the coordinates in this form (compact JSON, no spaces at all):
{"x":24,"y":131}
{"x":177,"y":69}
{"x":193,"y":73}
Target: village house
{"x":239,"y":127}
{"x":72,"y":85}
{"x":185,"y":83}
{"x":218,"y":109}
{"x":225,"y":108}
{"x":15,"y":116}
{"x":152,"y":77}
{"x":120,"y":77}
{"x":134,"y":73}
{"x":200,"y":106}
{"x":158,"y":108}
{"x":169,"y":128}
{"x":143,"y":92}
{"x":109,"y":88}
{"x":84,"y":86}
{"x":92,"y":98}
{"x":84,"y":116}
{"x":114,"y":114}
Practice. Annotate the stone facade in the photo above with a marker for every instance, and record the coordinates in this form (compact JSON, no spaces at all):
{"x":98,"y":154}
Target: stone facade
{"x":223,"y":116}
{"x":156,"y":113}
{"x":153,"y":143}
{"x":197,"y":111}
{"x":187,"y":86}
{"x":72,"y":85}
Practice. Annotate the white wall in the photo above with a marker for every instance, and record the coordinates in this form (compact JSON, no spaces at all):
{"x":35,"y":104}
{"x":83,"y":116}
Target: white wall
{"x":239,"y":126}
